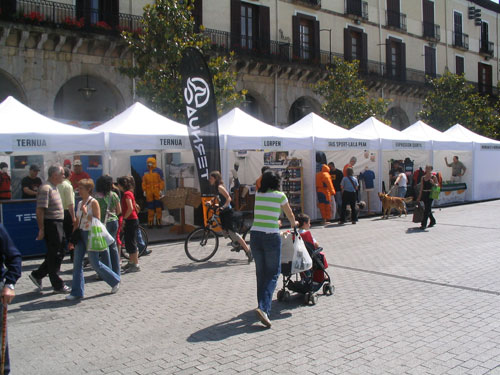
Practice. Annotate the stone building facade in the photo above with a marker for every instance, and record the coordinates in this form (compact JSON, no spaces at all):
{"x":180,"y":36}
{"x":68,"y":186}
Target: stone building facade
{"x":62,"y":58}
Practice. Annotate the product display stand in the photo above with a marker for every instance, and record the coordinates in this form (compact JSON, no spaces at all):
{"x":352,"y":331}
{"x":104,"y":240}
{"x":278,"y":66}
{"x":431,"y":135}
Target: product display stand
{"x":292,"y":184}
{"x":182,"y":227}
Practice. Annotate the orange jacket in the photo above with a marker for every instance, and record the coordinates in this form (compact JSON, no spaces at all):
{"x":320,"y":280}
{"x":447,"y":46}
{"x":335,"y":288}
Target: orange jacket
{"x":324,"y":183}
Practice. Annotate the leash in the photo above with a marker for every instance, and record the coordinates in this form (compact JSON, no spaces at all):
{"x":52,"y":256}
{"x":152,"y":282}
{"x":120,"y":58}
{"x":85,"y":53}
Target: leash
{"x":4,"y":336}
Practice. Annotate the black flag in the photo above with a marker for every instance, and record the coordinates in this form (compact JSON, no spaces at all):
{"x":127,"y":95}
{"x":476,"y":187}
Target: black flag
{"x":201,"y":114}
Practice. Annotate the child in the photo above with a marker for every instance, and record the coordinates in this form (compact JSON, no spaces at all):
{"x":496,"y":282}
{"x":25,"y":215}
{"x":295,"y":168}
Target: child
{"x":304,"y":226}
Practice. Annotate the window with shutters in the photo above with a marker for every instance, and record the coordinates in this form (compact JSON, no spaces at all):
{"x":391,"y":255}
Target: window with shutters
{"x":485,"y":83}
{"x":356,"y":46}
{"x":460,"y":39}
{"x":395,"y":18}
{"x":248,"y":23}
{"x":95,"y":11}
{"x":250,"y":27}
{"x":485,"y":46}
{"x":430,"y":29}
{"x":459,"y":65}
{"x":395,"y":59}
{"x":430,"y":61}
{"x":305,"y":38}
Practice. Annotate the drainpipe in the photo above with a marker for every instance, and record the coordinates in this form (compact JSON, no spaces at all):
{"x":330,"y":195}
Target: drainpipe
{"x":133,"y":80}
{"x":276,"y":74}
{"x":381,"y":67}
{"x":446,"y":31}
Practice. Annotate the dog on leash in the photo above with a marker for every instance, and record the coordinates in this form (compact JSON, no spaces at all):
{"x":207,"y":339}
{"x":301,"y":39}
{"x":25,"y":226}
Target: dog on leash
{"x":389,"y":202}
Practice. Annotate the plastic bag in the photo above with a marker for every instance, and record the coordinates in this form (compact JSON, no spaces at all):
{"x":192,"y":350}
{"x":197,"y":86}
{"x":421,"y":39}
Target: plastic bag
{"x":99,"y":238}
{"x":435,"y":192}
{"x":286,"y":247}
{"x":301,"y":259}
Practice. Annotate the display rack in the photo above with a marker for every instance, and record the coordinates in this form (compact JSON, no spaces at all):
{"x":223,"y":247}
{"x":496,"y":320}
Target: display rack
{"x":292,"y":183}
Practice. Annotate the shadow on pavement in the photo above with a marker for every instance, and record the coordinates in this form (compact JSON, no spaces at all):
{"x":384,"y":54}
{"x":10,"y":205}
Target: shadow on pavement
{"x":415,"y":230}
{"x":206,"y":265}
{"x":41,"y":305}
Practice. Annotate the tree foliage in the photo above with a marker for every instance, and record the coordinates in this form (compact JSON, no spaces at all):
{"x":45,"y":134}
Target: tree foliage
{"x":167,"y":29}
{"x":346,"y":97}
{"x":452,"y":100}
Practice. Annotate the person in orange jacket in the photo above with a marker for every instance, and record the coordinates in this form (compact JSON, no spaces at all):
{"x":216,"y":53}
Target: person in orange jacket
{"x":152,"y":185}
{"x":324,"y":192}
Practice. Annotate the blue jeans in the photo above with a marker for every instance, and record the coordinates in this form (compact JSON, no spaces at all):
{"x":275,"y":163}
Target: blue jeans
{"x":338,"y":201}
{"x":401,"y":191}
{"x":266,"y":251}
{"x":78,"y":283}
{"x":114,"y":256}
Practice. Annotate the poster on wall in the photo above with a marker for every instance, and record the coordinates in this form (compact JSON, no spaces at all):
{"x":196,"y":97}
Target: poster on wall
{"x":275,"y":157}
{"x":92,"y":164}
{"x":20,"y":167}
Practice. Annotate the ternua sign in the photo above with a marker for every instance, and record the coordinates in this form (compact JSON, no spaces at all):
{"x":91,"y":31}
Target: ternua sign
{"x":31,"y":143}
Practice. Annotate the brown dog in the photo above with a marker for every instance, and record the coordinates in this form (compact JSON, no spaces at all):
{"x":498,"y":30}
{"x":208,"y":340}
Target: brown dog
{"x":389,"y":202}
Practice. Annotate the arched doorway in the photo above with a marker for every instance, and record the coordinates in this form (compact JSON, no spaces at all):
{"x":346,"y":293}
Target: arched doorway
{"x":398,"y":118}
{"x":88,"y":98}
{"x":302,"y":107}
{"x":10,"y":87}
{"x":256,"y":106}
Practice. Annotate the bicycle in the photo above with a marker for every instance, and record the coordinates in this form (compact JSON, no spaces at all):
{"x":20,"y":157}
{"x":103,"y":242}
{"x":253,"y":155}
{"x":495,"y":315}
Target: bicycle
{"x":142,"y":246}
{"x":202,"y":243}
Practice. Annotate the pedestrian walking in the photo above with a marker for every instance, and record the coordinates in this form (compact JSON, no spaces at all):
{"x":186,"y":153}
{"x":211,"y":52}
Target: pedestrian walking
{"x":10,"y":271}
{"x":427,"y":182}
{"x":349,"y":186}
{"x":88,"y":208}
{"x":50,"y":217}
{"x":68,"y":201}
{"x":265,"y":240}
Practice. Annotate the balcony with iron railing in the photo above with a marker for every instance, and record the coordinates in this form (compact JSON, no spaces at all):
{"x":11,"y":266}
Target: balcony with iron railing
{"x":61,"y":15}
{"x":356,"y":8}
{"x":396,"y":20}
{"x":460,"y":40}
{"x":486,"y":47}
{"x":431,"y":31}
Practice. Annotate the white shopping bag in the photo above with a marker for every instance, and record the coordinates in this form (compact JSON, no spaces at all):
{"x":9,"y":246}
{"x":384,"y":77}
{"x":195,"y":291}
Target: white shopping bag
{"x":301,"y":259}
{"x":286,"y":247}
{"x":99,"y":238}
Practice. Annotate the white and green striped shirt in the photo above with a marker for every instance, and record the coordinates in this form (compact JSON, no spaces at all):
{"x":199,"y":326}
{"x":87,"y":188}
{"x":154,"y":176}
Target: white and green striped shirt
{"x":267,"y":211}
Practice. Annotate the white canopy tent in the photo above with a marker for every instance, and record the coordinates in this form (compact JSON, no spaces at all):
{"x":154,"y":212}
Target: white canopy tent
{"x":339,"y":145}
{"x":394,"y":145}
{"x":245,"y":139}
{"x":24,"y":130}
{"x":486,"y":155}
{"x":140,"y":130}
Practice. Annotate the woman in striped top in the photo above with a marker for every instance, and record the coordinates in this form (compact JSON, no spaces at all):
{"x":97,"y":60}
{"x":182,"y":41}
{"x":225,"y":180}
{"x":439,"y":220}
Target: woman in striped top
{"x":265,"y":240}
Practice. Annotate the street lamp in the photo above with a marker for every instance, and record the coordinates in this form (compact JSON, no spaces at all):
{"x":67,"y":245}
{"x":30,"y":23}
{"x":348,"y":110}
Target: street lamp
{"x":330,"y":40}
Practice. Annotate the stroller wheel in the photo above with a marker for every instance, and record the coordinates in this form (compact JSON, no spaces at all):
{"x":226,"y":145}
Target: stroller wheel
{"x":313,"y":299}
{"x":281,"y":295}
{"x":328,"y":289}
{"x":286,"y":296}
{"x":307,"y":298}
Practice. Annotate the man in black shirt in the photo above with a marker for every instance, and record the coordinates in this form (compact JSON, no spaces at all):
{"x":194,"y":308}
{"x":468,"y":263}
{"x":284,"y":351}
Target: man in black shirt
{"x":31,"y":183}
{"x":337,"y":177}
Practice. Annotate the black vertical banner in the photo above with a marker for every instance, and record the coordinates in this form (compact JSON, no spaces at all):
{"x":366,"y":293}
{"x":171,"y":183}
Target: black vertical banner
{"x":201,"y":114}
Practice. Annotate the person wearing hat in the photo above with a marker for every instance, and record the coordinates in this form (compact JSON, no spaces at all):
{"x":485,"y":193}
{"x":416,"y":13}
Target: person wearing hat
{"x":31,"y":183}
{"x":5,"y":190}
{"x":78,"y":173}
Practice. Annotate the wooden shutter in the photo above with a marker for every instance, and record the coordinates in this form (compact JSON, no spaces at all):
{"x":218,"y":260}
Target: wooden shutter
{"x":430,"y":61}
{"x":403,"y":61}
{"x":317,"y":51}
{"x":363,"y":64}
{"x":264,"y":30}
{"x":393,"y":5}
{"x":295,"y":38}
{"x":459,"y":65}
{"x":235,"y":23}
{"x":388,"y":59}
{"x":428,"y":10}
{"x":347,"y":45}
{"x":109,"y":10}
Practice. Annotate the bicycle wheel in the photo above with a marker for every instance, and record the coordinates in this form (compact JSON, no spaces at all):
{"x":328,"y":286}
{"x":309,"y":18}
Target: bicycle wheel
{"x":201,"y":244}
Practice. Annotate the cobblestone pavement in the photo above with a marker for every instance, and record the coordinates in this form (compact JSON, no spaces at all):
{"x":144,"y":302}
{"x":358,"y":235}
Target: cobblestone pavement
{"x":406,"y":302}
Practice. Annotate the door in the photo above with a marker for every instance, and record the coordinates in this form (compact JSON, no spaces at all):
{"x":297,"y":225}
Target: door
{"x":428,"y":14}
{"x":430,"y":61}
{"x":457,"y":29}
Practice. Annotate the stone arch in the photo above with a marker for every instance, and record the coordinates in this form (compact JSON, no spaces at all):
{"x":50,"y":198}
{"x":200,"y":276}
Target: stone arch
{"x":257,"y":106}
{"x":398,"y":118}
{"x":302,"y":107}
{"x":88,"y":98}
{"x":10,"y":86}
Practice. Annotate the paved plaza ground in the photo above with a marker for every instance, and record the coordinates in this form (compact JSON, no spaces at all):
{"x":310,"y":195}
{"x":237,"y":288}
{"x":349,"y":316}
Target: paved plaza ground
{"x":406,"y":302}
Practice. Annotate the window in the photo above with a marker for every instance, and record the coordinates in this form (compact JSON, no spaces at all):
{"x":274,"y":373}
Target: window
{"x":430,"y":61}
{"x":459,"y":65}
{"x":305,"y":38}
{"x":458,"y":39}
{"x":94,"y":11}
{"x":428,"y":19}
{"x":484,"y":45}
{"x":485,"y":83}
{"x":395,"y":59}
{"x":250,"y":28}
{"x":394,"y":16}
{"x":356,"y":46}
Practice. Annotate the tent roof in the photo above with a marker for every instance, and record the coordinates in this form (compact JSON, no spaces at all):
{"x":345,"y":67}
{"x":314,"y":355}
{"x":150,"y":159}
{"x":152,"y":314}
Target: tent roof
{"x":374,"y":128}
{"x":462,"y":133}
{"x":140,"y":120}
{"x":21,"y":122}
{"x":423,"y":132}
{"x":316,"y":126}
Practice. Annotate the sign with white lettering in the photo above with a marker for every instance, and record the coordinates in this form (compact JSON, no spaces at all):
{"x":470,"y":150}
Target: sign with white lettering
{"x":30,"y":143}
{"x":346,"y":144}
{"x":272,"y":144}
{"x":398,"y":145}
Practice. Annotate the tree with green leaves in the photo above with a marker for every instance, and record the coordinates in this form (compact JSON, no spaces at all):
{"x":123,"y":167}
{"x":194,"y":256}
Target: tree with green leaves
{"x":452,"y":100}
{"x":346,"y":97}
{"x":167,"y":29}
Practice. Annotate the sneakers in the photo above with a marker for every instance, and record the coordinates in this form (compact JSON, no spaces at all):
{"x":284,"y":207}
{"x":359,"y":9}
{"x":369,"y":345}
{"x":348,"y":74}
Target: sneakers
{"x":249,"y":256}
{"x":263,"y":317}
{"x":115,"y":289}
{"x":131,"y":268}
{"x":126,"y":266}
{"x":71,"y":297}
{"x":147,"y":252}
{"x":64,"y":290}
{"x":37,"y":282}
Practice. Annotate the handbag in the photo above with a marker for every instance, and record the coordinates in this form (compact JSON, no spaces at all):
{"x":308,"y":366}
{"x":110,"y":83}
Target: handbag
{"x":435,"y":192}
{"x":418,"y":213}
{"x":301,"y":259}
{"x":76,"y":236}
{"x":99,"y":238}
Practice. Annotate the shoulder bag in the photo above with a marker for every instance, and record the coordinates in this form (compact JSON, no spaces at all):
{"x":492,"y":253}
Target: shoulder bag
{"x":76,"y":236}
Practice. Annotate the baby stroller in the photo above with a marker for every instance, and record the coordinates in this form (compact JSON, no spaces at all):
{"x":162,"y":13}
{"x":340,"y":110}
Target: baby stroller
{"x":310,"y":281}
